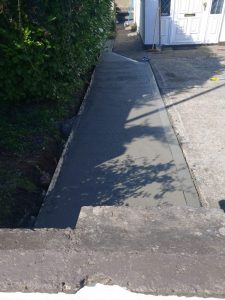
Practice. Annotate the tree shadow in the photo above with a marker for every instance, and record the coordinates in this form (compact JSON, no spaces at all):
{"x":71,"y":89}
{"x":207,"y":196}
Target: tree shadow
{"x":178,"y":71}
{"x":184,"y":74}
{"x":118,"y":156}
{"x":177,"y":68}
{"x":180,"y":68}
{"x":112,"y":183}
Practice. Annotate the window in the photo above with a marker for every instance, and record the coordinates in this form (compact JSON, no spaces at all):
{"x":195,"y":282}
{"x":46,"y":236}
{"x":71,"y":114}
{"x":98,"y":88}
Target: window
{"x":165,"y":7}
{"x":217,"y":7}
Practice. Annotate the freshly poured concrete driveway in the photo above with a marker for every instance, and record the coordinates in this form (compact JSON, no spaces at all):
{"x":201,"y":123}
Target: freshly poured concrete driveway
{"x":122,"y":150}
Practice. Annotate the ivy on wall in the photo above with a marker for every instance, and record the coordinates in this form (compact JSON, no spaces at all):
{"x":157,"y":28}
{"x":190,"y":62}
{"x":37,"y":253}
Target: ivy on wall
{"x":46,"y":46}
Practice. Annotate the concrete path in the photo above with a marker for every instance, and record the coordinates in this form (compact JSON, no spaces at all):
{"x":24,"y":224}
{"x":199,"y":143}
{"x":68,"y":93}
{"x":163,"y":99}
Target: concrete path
{"x":123,"y":152}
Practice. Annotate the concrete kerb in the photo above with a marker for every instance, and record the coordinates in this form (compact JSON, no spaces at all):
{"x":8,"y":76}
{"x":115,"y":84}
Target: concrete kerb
{"x":182,"y":168}
{"x":66,"y":147}
{"x":201,"y":199}
{"x":109,"y":45}
{"x":157,"y":78}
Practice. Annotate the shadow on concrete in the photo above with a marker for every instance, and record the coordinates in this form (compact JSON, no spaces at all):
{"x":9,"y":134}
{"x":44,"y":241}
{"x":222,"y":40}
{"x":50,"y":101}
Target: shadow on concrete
{"x":114,"y":158}
{"x":177,"y":68}
{"x":222,"y":204}
{"x":179,"y":102}
{"x":183,"y":74}
{"x":99,"y":169}
{"x":111,"y":184}
{"x":178,"y":74}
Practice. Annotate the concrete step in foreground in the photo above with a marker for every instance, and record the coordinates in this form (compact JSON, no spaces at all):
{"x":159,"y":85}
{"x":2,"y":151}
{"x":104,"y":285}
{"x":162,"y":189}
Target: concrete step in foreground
{"x":155,"y":251}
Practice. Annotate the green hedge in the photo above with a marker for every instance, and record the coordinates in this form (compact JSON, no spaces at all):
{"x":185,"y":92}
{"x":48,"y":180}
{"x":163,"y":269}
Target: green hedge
{"x":47,"y":46}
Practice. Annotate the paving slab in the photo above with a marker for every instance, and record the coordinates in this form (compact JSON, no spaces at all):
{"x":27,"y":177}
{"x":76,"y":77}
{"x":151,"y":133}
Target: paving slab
{"x":162,"y":251}
{"x":122,"y":151}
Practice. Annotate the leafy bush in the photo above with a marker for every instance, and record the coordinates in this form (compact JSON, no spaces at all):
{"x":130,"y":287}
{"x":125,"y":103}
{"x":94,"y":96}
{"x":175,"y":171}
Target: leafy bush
{"x":46,"y":47}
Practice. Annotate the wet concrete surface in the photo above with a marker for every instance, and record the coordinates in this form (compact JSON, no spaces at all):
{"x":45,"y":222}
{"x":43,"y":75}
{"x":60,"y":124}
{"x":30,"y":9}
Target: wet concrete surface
{"x":123,"y":152}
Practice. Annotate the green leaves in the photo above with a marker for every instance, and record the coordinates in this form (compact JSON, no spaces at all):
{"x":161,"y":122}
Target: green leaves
{"x":56,"y":45}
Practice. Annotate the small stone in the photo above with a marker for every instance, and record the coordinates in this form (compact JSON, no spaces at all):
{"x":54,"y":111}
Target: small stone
{"x":197,"y":233}
{"x":68,"y":234}
{"x":156,"y":248}
{"x":65,"y":287}
{"x":98,"y":278}
{"x":222,"y":231}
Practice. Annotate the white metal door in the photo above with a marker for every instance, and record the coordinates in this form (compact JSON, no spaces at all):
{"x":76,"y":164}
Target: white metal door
{"x":189,"y":21}
{"x":214,"y":22}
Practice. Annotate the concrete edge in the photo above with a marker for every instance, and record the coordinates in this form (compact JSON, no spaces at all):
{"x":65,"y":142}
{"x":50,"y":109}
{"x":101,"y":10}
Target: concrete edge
{"x":109,"y":45}
{"x":107,"y":48}
{"x":127,"y":58}
{"x":66,"y":147}
{"x":157,"y":74}
{"x":185,"y":176}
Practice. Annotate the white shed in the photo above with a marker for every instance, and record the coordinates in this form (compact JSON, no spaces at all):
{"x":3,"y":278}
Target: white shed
{"x":180,"y":22}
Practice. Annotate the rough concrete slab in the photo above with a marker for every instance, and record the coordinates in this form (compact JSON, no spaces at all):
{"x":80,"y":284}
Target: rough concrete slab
{"x":155,"y":251}
{"x":197,"y":109}
{"x":124,"y":151}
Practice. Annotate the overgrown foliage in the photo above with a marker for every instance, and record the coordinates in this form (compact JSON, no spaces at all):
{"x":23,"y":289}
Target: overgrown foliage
{"x":47,"y":51}
{"x":46,"y":47}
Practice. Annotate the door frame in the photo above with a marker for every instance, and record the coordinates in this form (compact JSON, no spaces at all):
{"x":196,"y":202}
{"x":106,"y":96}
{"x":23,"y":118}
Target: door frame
{"x":205,"y":24}
{"x":205,"y":16}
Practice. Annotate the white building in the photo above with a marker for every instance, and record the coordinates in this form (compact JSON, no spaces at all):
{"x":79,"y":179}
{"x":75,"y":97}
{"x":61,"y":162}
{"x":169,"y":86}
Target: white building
{"x":180,"y":22}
